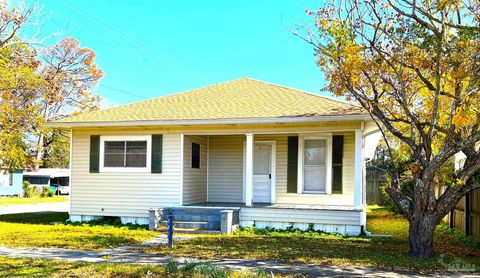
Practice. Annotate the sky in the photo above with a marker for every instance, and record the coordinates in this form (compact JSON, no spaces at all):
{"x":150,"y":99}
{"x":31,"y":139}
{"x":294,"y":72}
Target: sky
{"x":149,"y":49}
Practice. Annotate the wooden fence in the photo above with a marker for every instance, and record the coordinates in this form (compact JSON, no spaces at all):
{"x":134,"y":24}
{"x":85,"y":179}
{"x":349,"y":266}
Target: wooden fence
{"x":375,"y":178}
{"x":466,"y":215}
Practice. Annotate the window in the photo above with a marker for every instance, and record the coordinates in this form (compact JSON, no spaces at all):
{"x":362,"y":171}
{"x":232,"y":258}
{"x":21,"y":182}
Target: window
{"x":315,"y":161}
{"x":37,"y":180}
{"x":125,"y":153}
{"x":195,"y":155}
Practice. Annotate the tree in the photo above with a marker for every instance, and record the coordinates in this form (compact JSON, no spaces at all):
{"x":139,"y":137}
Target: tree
{"x":18,"y":90}
{"x":70,"y":73}
{"x":38,"y":85}
{"x":414,"y":65}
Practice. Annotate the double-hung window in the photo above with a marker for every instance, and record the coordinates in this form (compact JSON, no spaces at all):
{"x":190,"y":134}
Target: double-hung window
{"x":315,"y":164}
{"x":125,"y":154}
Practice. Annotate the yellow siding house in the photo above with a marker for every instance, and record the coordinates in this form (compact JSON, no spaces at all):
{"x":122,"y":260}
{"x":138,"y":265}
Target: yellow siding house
{"x":275,"y":156}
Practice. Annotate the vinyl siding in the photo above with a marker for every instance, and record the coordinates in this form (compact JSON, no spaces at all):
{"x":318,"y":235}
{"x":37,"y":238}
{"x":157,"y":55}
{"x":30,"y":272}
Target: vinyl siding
{"x":337,"y":217}
{"x":226,"y":171}
{"x":194,"y":180}
{"x":123,"y":194}
{"x":225,"y":177}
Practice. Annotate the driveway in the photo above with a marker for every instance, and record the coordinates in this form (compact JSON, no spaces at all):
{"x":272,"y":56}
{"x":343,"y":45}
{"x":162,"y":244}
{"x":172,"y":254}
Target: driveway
{"x":41,"y":207}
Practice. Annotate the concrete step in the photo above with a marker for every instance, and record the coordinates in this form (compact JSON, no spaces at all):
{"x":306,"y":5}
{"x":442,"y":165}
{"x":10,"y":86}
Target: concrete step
{"x":205,"y":225}
{"x":188,"y":231}
{"x":196,"y":217}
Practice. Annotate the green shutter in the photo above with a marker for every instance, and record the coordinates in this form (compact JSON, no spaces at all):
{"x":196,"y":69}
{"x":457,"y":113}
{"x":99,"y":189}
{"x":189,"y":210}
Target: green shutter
{"x":337,"y":164}
{"x":292,"y":167}
{"x":94,"y":153}
{"x":157,"y":149}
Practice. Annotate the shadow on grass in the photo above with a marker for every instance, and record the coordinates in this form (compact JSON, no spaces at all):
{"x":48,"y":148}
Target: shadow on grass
{"x":35,"y":217}
{"x":50,"y":218}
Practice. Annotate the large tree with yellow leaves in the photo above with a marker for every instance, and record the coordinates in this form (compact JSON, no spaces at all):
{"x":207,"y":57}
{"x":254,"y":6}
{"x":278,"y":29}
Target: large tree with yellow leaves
{"x":36,"y":85}
{"x":414,"y":65}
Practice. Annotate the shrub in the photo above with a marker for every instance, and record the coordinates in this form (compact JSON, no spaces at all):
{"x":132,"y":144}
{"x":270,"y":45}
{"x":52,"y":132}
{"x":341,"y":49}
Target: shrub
{"x":459,"y":236}
{"x":28,"y":190}
{"x":46,"y":192}
{"x":208,"y":270}
{"x":171,"y":266}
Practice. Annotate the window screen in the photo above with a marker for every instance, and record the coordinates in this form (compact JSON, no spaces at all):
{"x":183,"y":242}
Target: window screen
{"x":125,"y":154}
{"x":195,"y":155}
{"x":314,"y":166}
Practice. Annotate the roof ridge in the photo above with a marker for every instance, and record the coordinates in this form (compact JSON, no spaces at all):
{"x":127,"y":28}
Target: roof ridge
{"x":301,"y":91}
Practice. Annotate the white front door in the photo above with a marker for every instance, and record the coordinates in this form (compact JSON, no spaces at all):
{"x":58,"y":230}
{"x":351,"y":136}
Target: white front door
{"x":262,"y":173}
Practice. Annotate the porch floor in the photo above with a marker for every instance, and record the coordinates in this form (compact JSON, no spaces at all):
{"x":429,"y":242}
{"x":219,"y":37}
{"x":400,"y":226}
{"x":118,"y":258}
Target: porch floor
{"x":272,"y":206}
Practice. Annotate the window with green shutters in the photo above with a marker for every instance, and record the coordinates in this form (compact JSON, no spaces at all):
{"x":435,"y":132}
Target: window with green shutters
{"x":316,"y":174}
{"x":128,"y":153}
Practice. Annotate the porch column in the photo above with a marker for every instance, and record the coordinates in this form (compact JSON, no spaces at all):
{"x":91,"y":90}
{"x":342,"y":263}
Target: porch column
{"x":249,"y":170}
{"x":358,"y":168}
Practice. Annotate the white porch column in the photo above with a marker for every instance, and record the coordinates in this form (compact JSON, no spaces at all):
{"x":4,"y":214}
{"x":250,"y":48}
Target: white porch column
{"x":249,"y":170}
{"x":358,"y":174}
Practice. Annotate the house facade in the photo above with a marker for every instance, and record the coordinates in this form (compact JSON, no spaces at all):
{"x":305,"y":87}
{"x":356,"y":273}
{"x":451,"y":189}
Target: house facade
{"x":278,"y":157}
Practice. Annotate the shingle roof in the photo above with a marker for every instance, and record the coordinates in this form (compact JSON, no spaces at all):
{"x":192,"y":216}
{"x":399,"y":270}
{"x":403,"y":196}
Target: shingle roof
{"x":243,"y":98}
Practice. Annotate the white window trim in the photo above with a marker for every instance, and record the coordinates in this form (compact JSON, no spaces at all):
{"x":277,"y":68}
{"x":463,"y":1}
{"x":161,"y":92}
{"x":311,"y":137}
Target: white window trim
{"x":147,"y":169}
{"x":328,"y":162}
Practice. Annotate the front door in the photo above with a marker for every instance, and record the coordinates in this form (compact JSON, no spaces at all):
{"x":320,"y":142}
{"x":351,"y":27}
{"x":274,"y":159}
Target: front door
{"x":262,"y":173}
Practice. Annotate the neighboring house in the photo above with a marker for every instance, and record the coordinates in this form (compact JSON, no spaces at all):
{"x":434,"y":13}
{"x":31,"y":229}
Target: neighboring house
{"x":277,"y":157}
{"x":48,"y":177}
{"x":10,"y":182}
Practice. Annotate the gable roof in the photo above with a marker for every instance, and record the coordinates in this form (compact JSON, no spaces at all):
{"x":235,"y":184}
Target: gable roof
{"x":243,"y":98}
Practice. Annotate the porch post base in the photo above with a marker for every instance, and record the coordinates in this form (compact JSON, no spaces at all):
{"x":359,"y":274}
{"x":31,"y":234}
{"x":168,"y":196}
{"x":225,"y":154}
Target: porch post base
{"x":226,"y":221}
{"x":154,"y":217}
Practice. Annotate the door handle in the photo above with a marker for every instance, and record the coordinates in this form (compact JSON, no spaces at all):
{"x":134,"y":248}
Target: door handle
{"x":270,"y":176}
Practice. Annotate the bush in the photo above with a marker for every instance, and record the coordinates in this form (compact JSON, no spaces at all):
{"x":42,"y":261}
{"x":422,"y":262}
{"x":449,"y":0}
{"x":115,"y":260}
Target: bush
{"x":28,"y":190}
{"x":459,"y":236}
{"x":46,"y":192}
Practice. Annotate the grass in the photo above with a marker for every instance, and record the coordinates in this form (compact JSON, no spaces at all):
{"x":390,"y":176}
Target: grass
{"x":9,"y":201}
{"x":321,"y":248}
{"x":48,"y":268}
{"x":39,"y":230}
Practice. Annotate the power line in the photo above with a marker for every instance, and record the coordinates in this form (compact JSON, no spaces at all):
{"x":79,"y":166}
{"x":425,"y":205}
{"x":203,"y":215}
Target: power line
{"x":125,"y":36}
{"x":122,"y":91}
{"x":110,"y":42}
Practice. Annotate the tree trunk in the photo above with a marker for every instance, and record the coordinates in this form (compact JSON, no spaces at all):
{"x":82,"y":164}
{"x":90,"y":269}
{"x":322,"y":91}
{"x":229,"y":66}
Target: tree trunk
{"x":39,"y":154}
{"x":421,"y":236}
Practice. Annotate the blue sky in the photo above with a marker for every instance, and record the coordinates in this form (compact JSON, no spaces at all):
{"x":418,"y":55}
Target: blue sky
{"x":153,"y":48}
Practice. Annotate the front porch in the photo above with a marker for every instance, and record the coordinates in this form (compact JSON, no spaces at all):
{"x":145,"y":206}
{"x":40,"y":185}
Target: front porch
{"x":259,"y":169}
{"x":301,"y":180}
{"x":226,"y":217}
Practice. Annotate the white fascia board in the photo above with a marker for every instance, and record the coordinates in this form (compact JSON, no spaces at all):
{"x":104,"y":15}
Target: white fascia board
{"x":211,"y":121}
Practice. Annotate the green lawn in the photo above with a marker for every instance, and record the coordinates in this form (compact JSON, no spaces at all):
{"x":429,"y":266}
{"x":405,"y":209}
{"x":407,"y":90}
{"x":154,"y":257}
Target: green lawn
{"x":318,"y":248}
{"x":9,"y":201}
{"x":38,"y":230}
{"x":48,"y":268}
